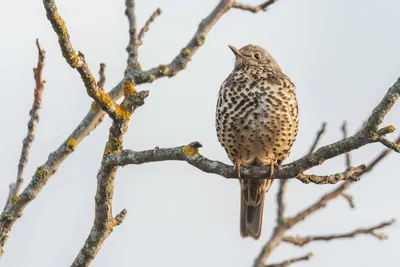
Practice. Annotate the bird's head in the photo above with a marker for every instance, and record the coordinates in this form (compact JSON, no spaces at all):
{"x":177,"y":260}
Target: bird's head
{"x":253,"y":55}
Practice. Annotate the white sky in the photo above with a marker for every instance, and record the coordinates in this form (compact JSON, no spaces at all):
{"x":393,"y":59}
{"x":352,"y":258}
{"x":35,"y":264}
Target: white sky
{"x":342,"y":55}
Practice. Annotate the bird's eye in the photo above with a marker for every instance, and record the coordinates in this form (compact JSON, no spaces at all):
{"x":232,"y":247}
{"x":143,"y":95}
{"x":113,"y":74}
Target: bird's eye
{"x":257,"y":55}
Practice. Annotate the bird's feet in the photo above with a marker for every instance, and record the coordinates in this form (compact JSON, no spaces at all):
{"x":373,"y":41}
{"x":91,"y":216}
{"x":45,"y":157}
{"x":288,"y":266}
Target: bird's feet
{"x":239,"y":164}
{"x":272,"y":164}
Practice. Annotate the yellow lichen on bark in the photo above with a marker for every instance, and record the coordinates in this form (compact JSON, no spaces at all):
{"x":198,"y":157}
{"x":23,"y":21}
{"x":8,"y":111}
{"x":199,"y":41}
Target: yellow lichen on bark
{"x":122,"y":113}
{"x":391,"y":128}
{"x":114,"y":146}
{"x":129,"y":89}
{"x":63,"y":33}
{"x":189,"y":151}
{"x":15,"y":199}
{"x":72,"y":143}
{"x":105,"y":99}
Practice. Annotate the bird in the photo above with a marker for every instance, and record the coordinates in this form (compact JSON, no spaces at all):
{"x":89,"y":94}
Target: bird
{"x":257,"y":123}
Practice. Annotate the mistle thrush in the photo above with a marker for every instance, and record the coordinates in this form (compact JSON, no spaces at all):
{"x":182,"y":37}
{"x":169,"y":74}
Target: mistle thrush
{"x":257,"y":123}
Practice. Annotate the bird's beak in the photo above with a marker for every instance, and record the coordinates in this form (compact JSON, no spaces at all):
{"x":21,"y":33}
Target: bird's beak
{"x":235,"y":51}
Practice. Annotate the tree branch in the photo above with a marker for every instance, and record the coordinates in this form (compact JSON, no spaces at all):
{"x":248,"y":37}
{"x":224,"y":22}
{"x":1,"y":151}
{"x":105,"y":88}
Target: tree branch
{"x":104,"y":222}
{"x":30,"y":137}
{"x":132,"y":48}
{"x":95,"y":115}
{"x":323,"y":201}
{"x":352,"y":174}
{"x":290,"y":261}
{"x":254,"y":9}
{"x":180,"y":61}
{"x":33,"y":121}
{"x":290,"y":170}
{"x":77,"y":61}
{"x":102,"y":77}
{"x":389,"y":144}
{"x":283,"y":183}
{"x":301,"y":241}
{"x":347,"y":155}
{"x":146,"y":26}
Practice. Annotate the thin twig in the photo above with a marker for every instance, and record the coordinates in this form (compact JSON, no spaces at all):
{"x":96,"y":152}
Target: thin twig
{"x":290,"y":261}
{"x":301,"y":241}
{"x":350,"y":200}
{"x":392,"y":145}
{"x":344,"y":131}
{"x":254,"y":9}
{"x":348,"y":197}
{"x":102,"y":76}
{"x":132,"y":48}
{"x":33,"y":121}
{"x":380,"y":157}
{"x":317,"y":138}
{"x":146,"y":26}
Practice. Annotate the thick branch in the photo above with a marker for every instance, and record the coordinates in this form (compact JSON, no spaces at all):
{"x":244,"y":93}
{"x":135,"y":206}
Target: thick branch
{"x":290,"y":261}
{"x":104,"y":221}
{"x":77,"y":61}
{"x":301,"y":241}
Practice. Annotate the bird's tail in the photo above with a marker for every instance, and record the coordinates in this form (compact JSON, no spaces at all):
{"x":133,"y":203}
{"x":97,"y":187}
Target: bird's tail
{"x":252,"y":205}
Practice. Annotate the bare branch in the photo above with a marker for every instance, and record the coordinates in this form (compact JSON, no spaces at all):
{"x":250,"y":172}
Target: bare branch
{"x":317,"y":138}
{"x":30,"y":137}
{"x":349,"y":199}
{"x":291,"y":170}
{"x":180,"y":61}
{"x":254,"y":9}
{"x":95,"y":115}
{"x":102,"y":77}
{"x":272,"y":243}
{"x":301,"y":241}
{"x":344,"y":131}
{"x":77,"y":61}
{"x":380,"y":157}
{"x":290,"y":261}
{"x":33,"y":121}
{"x":323,"y":201}
{"x":352,"y":174}
{"x":132,"y":48}
{"x":389,"y":144}
{"x":104,"y":222}
{"x":146,"y":26}
{"x":281,"y":201}
{"x":283,"y":183}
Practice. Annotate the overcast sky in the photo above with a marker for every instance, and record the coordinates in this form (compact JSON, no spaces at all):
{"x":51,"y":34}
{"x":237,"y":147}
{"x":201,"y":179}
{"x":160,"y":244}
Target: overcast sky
{"x":342,"y":55}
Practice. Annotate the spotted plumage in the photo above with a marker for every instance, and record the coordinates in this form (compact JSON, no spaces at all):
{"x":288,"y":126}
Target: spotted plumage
{"x":257,"y":123}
